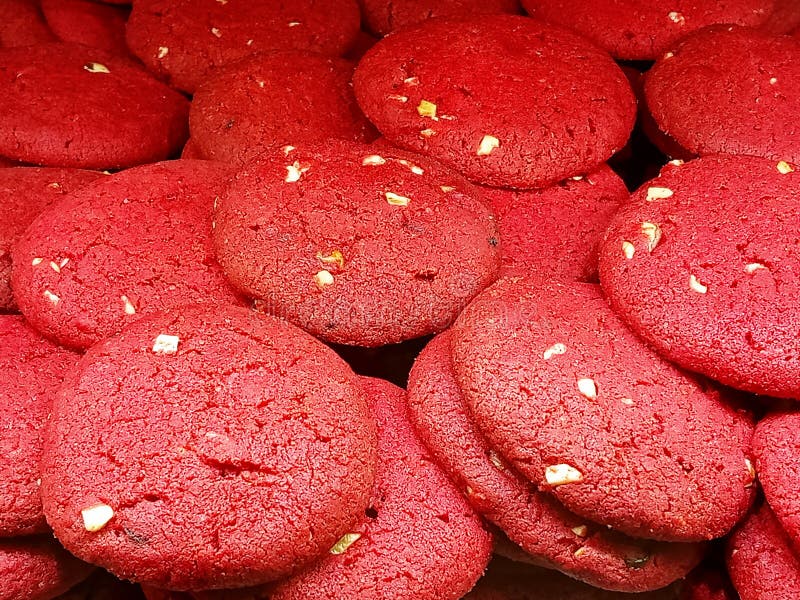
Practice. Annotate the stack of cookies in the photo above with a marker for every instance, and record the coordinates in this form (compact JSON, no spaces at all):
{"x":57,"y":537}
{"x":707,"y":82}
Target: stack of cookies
{"x":230,"y":227}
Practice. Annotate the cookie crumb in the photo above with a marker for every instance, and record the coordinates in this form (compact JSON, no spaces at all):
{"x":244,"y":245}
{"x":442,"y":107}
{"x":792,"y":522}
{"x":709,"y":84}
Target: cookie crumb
{"x":488,"y":145}
{"x":96,"y":517}
{"x":287,"y":150}
{"x":658,"y":193}
{"x":587,"y":388}
{"x":696,"y":286}
{"x":562,"y":474}
{"x":166,"y":344}
{"x":347,"y":540}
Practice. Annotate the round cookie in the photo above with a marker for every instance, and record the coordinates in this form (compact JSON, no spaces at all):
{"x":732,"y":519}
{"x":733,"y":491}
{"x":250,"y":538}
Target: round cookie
{"x":60,"y":106}
{"x":506,"y":100}
{"x":700,"y":263}
{"x":87,"y":22}
{"x":385,"y":17}
{"x":556,"y":231}
{"x":273,"y":100}
{"x":729,"y":89}
{"x":776,"y":445}
{"x":383,"y":245}
{"x":651,"y":451}
{"x":420,"y":538}
{"x":231,"y":442}
{"x":644,"y":29}
{"x":184,"y":40}
{"x":31,"y":369}
{"x":761,"y":561}
{"x":22,"y":24}
{"x":37,"y":568}
{"x":24,"y":193}
{"x":551,"y":535}
{"x":128,"y":245}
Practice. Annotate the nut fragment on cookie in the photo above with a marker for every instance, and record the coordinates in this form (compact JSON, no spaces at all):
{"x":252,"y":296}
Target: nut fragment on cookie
{"x":96,"y":67}
{"x":128,"y":306}
{"x":653,"y":233}
{"x":751,"y":268}
{"x":676,"y":17}
{"x":162,"y":52}
{"x":487,"y":145}
{"x":587,"y":388}
{"x":295,"y":171}
{"x":696,"y":286}
{"x":347,"y":540}
{"x":216,"y":32}
{"x":335,"y":257}
{"x":554,"y":350}
{"x":323,"y":279}
{"x":51,"y":297}
{"x":373,"y":160}
{"x":96,"y":517}
{"x":495,"y":459}
{"x":37,"y":261}
{"x":784,"y":168}
{"x":427,"y":109}
{"x":398,"y":98}
{"x":581,"y":531}
{"x":751,"y":472}
{"x":426,"y":133}
{"x":658,"y":193}
{"x":628,"y":249}
{"x":562,"y":474}
{"x":396,"y":199}
{"x":166,"y":344}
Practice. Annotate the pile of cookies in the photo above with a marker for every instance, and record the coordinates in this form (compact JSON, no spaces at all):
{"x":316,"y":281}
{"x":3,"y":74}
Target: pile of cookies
{"x":229,"y":227}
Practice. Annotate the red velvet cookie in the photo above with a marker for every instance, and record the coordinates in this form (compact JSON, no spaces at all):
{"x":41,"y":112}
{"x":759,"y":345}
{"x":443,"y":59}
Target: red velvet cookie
{"x":506,"y":100}
{"x":22,"y":24}
{"x":584,"y":410}
{"x":101,"y":585}
{"x":707,"y":582}
{"x":556,"y":230}
{"x":703,"y":260}
{"x":184,"y":40}
{"x":729,"y":89}
{"x":384,"y":17}
{"x":776,"y":445}
{"x":549,"y":533}
{"x":68,"y":105}
{"x":31,"y":369}
{"x":37,"y":568}
{"x":87,"y":22}
{"x":272,"y":100}
{"x":191,"y":151}
{"x":382,"y":245}
{"x":128,"y":245}
{"x":761,"y":561}
{"x":420,"y":538}
{"x":230,"y":442}
{"x":644,"y":29}
{"x":785,"y":17}
{"x":24,"y":193}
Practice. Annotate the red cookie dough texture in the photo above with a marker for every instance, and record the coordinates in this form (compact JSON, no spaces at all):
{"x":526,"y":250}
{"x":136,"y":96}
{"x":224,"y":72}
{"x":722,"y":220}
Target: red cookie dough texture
{"x":87,"y":22}
{"x":128,"y":245}
{"x":704,"y":265}
{"x":101,"y":585}
{"x":551,"y":535}
{"x":24,"y":193}
{"x":211,"y":447}
{"x":420,"y":538}
{"x":557,"y":230}
{"x":37,"y":568}
{"x":707,"y":582}
{"x":273,"y":100}
{"x":732,"y":90}
{"x":761,"y":561}
{"x":31,"y":369}
{"x":651,"y":451}
{"x":384,"y":17}
{"x":382,"y":246}
{"x":506,"y":100}
{"x":184,"y":40}
{"x":191,"y":151}
{"x":66,"y":105}
{"x":784,"y":18}
{"x":22,"y":24}
{"x":644,"y":29}
{"x":776,"y":445}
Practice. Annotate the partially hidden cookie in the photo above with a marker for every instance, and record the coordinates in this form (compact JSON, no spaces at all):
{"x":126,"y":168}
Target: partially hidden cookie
{"x":702,"y":261}
{"x":651,"y":451}
{"x":24,"y":193}
{"x":101,"y":585}
{"x":708,"y":582}
{"x":776,"y":445}
{"x":505,"y":100}
{"x":128,"y":245}
{"x":384,"y":17}
{"x":784,"y":19}
{"x":382,"y":246}
{"x":37,"y":568}
{"x":420,"y":538}
{"x":556,"y":230}
{"x":231,"y":442}
{"x":551,"y":535}
{"x":644,"y":29}
{"x":733,"y":90}
{"x":31,"y":369}
{"x":761,"y":560}
{"x":185,"y":40}
{"x":60,"y":106}
{"x":87,"y":22}
{"x":273,"y":100}
{"x":22,"y":24}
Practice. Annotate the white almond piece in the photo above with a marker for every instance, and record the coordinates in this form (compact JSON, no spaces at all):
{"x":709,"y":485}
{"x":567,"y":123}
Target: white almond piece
{"x":562,"y":474}
{"x":96,"y":517}
{"x":166,"y":344}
